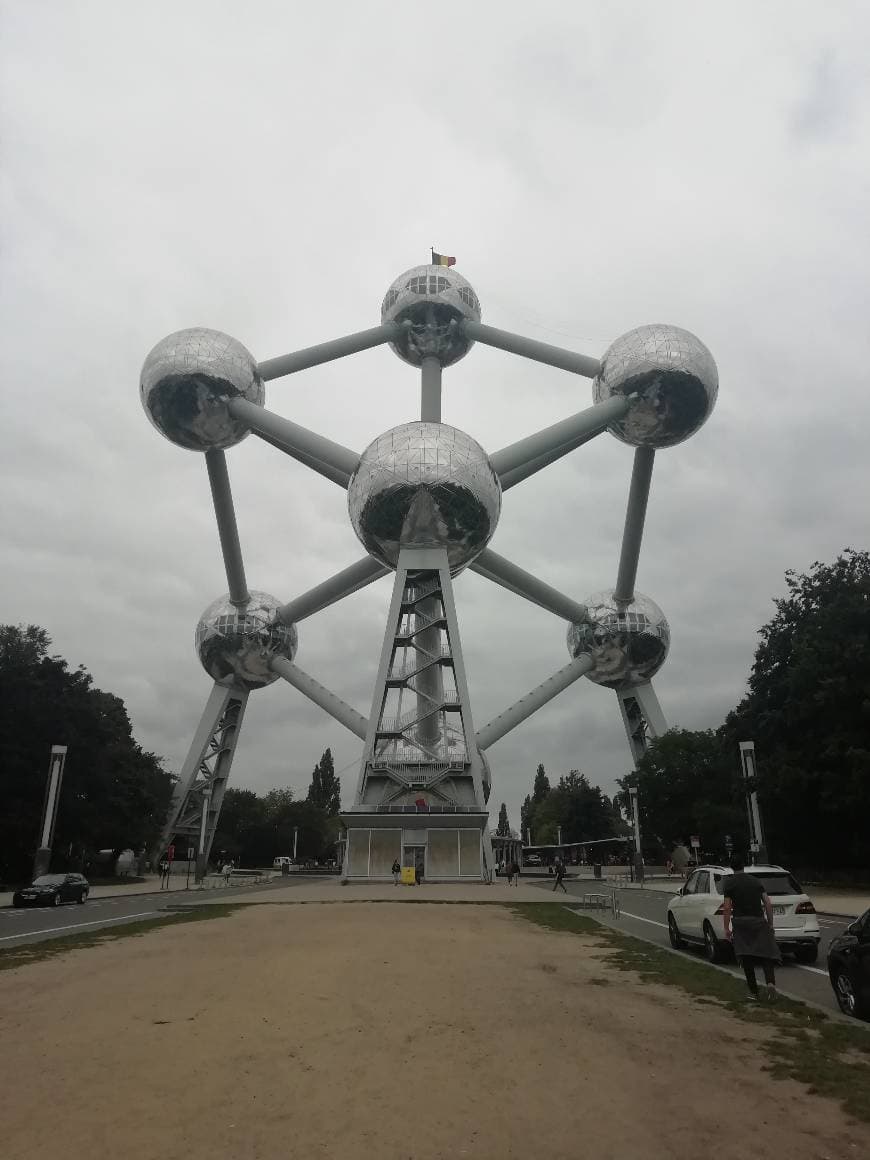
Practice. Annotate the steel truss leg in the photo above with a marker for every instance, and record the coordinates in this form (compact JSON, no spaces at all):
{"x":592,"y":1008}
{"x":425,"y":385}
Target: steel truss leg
{"x":199,"y":793}
{"x":642,"y":717}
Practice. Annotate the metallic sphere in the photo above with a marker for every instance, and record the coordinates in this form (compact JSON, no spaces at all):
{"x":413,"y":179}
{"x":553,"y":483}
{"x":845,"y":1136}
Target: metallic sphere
{"x":432,"y":302}
{"x":673,"y":373}
{"x":629,"y":644}
{"x":424,"y":485}
{"x":186,"y":381}
{"x":235,"y":645}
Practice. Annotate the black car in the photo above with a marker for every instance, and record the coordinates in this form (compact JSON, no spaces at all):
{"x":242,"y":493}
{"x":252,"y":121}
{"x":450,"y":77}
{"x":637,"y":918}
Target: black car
{"x":52,"y":890}
{"x":849,"y":967}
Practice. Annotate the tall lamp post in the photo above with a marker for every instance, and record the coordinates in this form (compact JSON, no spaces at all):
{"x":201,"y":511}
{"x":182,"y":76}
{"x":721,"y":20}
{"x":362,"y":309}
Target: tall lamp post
{"x":42,"y":860}
{"x":635,"y":817}
{"x":295,"y":840}
{"x":757,"y":845}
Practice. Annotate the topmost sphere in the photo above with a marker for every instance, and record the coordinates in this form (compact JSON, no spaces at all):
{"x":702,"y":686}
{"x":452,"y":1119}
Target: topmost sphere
{"x":186,"y":381}
{"x":673,"y":373}
{"x":433,"y":301}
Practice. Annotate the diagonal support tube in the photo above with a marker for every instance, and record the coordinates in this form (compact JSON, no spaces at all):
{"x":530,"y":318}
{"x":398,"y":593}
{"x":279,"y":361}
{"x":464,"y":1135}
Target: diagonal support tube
{"x":322,"y":455}
{"x":320,"y":695}
{"x":312,"y":356}
{"x":228,"y":531}
{"x":342,"y":584}
{"x":635,"y":515}
{"x":553,"y":442}
{"x":542,"y":352}
{"x":515,"y":579}
{"x":526,"y":706}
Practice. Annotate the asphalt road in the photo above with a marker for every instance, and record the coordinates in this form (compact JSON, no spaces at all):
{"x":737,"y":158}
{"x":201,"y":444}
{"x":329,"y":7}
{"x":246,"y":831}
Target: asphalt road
{"x":35,"y":924}
{"x":644,"y":913}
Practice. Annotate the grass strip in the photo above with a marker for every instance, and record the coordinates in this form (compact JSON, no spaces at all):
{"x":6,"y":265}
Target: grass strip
{"x":50,"y":948}
{"x":832,"y":1058}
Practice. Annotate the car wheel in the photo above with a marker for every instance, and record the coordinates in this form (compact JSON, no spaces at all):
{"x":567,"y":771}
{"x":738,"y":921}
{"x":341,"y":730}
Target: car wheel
{"x":677,"y":940}
{"x":83,"y":897}
{"x":807,"y":954}
{"x":56,"y":900}
{"x":713,"y":950}
{"x":847,"y":1000}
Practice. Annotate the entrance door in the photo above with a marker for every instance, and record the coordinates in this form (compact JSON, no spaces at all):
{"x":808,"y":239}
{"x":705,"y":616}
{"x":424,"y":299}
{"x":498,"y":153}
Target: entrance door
{"x":415,"y":856}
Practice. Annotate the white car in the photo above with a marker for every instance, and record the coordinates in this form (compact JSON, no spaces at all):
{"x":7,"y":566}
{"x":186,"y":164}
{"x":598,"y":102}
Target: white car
{"x":281,"y":861}
{"x":695,"y":915}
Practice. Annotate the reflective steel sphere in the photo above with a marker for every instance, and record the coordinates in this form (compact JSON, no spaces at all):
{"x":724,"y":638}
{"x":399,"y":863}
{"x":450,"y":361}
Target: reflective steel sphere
{"x":424,"y":485}
{"x":673,"y":373}
{"x":185,"y":382}
{"x":235,"y":645}
{"x":432,"y":301}
{"x":629,"y":644}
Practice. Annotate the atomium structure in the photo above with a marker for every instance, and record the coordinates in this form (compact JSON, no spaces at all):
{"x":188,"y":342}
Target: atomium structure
{"x":424,"y":500}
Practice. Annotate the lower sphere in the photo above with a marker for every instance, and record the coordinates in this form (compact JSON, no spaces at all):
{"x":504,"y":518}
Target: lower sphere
{"x":424,"y":485}
{"x":629,"y":643}
{"x":236,"y":645}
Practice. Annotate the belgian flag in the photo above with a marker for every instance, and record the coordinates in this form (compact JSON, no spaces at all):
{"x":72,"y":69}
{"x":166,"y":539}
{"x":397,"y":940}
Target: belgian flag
{"x":442,"y":260}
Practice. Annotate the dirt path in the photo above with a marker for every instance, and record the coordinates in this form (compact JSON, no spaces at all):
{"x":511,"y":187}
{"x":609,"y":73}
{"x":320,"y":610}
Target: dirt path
{"x":386,"y":1031}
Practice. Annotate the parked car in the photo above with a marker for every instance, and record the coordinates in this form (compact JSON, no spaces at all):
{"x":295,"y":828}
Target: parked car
{"x":695,"y":915}
{"x":533,"y":860}
{"x":281,"y":860}
{"x":849,"y":968}
{"x":52,"y":890}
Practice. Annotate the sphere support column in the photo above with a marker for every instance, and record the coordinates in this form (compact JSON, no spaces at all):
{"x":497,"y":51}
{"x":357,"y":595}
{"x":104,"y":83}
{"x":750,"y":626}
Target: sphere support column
{"x":422,"y":790}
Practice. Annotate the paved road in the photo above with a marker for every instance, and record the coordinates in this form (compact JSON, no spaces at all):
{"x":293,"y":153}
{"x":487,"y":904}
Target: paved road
{"x":644,"y":913}
{"x":35,"y":924}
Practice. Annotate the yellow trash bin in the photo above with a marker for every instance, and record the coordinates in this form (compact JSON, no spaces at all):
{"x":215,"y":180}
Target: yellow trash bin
{"x":409,"y":876}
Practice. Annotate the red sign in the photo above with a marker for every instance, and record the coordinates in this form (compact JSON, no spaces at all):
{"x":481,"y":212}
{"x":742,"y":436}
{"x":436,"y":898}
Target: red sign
{"x":170,"y":853}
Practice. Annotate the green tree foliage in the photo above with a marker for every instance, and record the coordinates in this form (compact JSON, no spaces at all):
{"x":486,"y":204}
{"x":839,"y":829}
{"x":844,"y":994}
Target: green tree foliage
{"x":325,"y":788}
{"x":114,"y":795}
{"x":255,"y":830}
{"x":503,"y":829}
{"x":688,"y":784}
{"x":808,"y":711}
{"x":581,"y":810}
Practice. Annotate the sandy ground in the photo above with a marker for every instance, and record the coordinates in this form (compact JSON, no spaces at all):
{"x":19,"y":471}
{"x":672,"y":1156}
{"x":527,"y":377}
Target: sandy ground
{"x":387,"y":1031}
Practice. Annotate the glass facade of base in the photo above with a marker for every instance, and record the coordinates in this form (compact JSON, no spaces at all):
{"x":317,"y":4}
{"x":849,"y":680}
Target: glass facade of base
{"x":442,"y":853}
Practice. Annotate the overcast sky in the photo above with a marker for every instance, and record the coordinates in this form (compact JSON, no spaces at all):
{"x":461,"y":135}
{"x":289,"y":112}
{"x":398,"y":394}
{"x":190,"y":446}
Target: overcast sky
{"x":267,"y":169}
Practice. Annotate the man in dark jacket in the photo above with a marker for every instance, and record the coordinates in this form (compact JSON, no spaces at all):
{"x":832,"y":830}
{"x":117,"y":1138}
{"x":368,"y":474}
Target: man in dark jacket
{"x":748,"y":918}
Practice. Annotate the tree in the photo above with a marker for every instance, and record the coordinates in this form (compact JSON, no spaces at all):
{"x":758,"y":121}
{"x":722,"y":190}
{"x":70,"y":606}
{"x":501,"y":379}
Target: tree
{"x":325,"y":788}
{"x":541,"y":787}
{"x":687,"y":784}
{"x":114,"y":795}
{"x":503,"y":830}
{"x":526,"y":811}
{"x":808,"y":711}
{"x":577,"y":808}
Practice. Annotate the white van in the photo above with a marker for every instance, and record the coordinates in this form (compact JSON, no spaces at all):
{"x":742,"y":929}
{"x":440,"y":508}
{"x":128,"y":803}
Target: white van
{"x":283,"y":860}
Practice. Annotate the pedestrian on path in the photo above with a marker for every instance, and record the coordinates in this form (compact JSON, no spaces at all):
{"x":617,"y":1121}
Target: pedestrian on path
{"x":514,"y":873}
{"x":748,"y":920}
{"x":560,"y":874}
{"x":396,"y":871}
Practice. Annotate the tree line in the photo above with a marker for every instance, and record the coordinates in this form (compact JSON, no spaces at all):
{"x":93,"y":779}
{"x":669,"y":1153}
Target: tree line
{"x":574,"y":808}
{"x":115,"y":795}
{"x":807,"y":708}
{"x":255,"y":829}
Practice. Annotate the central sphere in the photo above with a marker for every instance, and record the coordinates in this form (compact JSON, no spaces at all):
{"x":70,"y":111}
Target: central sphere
{"x":431,"y":303}
{"x":424,"y":485}
{"x":236,"y":645}
{"x":629,"y":643}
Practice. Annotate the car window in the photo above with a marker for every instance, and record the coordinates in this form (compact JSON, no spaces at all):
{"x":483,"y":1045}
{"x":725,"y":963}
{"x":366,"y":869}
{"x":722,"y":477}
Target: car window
{"x":703,"y":885}
{"x":49,"y":880}
{"x":861,"y":926}
{"x":692,"y":885}
{"x":718,"y":880}
{"x":776,"y":882}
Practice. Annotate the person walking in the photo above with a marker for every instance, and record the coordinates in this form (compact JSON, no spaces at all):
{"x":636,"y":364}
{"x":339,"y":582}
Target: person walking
{"x":748,"y":921}
{"x":514,"y":873}
{"x":397,"y":870}
{"x":560,"y":874}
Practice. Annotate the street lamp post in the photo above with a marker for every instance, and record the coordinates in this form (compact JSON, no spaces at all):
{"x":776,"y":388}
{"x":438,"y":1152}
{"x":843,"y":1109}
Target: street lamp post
{"x":635,"y":816}
{"x":295,"y":839}
{"x":200,"y":858}
{"x":757,"y":848}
